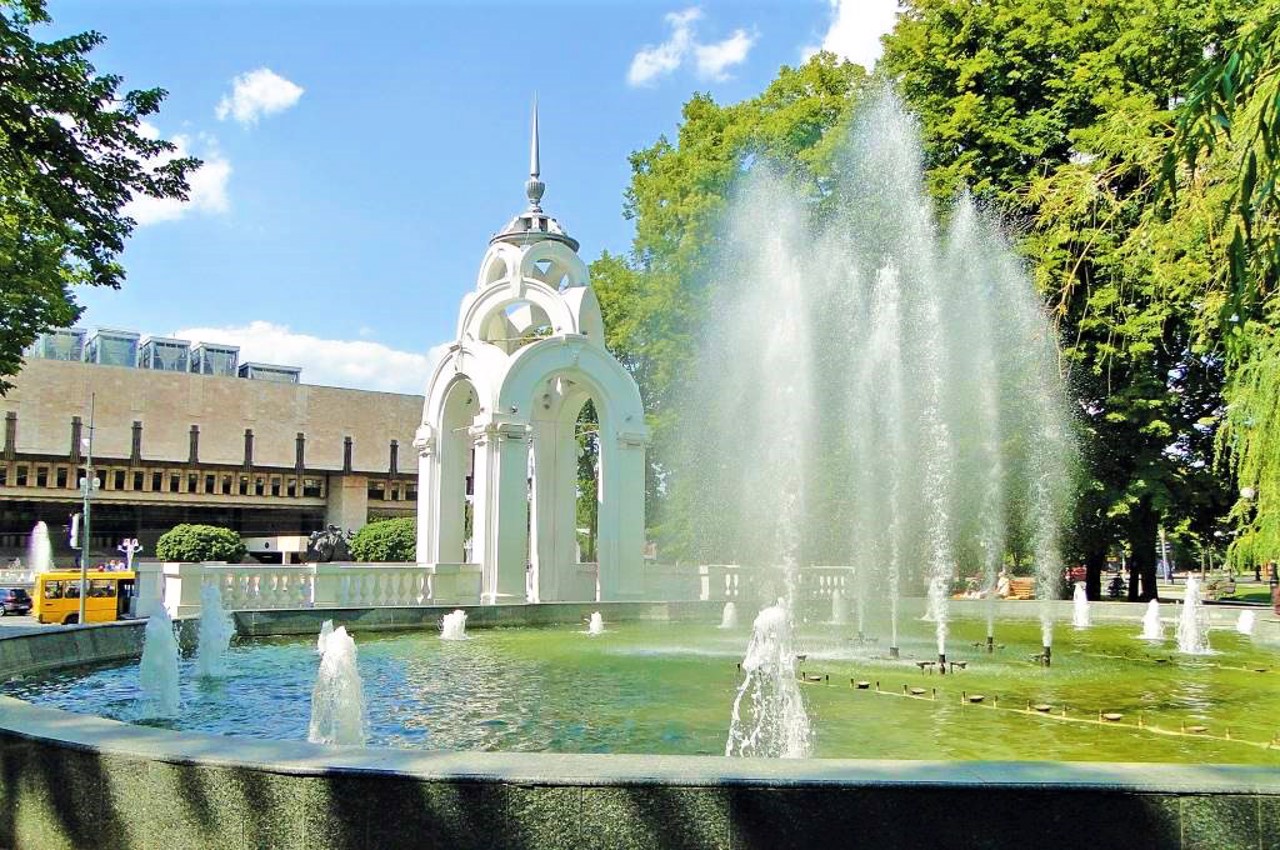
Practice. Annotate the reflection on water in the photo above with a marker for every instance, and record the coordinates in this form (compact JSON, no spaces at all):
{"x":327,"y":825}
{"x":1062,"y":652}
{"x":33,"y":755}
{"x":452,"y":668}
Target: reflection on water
{"x":655,"y":688}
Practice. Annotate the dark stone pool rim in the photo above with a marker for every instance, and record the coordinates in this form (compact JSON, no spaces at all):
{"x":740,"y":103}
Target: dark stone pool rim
{"x":82,"y":781}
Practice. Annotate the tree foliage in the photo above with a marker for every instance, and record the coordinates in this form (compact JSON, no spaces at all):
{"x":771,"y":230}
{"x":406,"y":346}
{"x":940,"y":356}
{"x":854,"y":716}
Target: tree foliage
{"x":1060,"y":114}
{"x":1227,"y":157}
{"x":386,"y":540}
{"x":73,"y":152}
{"x":190,"y":542}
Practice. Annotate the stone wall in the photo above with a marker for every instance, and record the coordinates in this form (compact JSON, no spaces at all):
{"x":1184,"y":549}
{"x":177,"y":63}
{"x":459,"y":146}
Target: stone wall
{"x":48,"y":393}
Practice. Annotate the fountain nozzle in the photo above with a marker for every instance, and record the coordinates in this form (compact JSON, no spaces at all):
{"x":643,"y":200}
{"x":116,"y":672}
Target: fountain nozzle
{"x":991,"y":644}
{"x":1048,"y":656}
{"x":893,"y":652}
{"x":942,"y":663}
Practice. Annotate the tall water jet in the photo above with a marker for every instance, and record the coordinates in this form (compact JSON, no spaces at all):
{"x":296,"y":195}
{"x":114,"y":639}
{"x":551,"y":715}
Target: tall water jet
{"x":899,"y":386}
{"x":596,"y":625}
{"x":158,"y":670}
{"x":337,"y":700}
{"x":769,"y":717}
{"x":454,"y":626}
{"x":1245,"y":622}
{"x":39,"y":549}
{"x":1080,"y":607}
{"x":1152,"y":627}
{"x":729,"y":616}
{"x":216,"y":630}
{"x":1193,"y":628}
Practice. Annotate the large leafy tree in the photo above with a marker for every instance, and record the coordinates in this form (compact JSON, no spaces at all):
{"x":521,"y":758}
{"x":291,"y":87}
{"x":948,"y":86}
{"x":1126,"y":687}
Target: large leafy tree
{"x":1227,"y":157}
{"x":1058,"y":114}
{"x":72,"y":154}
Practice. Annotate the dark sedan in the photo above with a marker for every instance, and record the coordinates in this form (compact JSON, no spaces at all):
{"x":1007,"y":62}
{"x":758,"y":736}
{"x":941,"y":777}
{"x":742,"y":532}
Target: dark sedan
{"x":14,"y":600}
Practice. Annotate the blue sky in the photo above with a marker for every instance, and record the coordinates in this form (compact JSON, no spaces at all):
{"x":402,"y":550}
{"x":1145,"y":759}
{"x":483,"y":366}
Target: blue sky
{"x":359,"y":156}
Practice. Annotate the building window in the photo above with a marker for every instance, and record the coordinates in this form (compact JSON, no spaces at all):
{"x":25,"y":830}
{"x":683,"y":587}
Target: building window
{"x":22,"y":476}
{"x":193,"y":483}
{"x":60,"y":477}
{"x":42,"y":476}
{"x":119,"y":482}
{"x":175,"y":482}
{"x":210,"y":484}
{"x":292,"y":488}
{"x":376,"y":491}
{"x":244,"y":485}
{"x":311,"y":488}
{"x":275,"y":486}
{"x":226,"y":485}
{"x":259,"y":487}
{"x":138,"y":480}
{"x":411,"y":493}
{"x":395,"y":494}
{"x":4,"y":476}
{"x":157,"y":482}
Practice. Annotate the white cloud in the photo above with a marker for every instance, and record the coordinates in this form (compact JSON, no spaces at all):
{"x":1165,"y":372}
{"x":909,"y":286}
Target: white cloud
{"x":714,"y":59}
{"x":208,"y":184}
{"x":257,"y":93}
{"x":855,"y":30}
{"x":358,"y":364}
{"x":711,"y":61}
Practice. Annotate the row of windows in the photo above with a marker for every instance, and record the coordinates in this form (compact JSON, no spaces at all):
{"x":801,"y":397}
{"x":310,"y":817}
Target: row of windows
{"x":163,"y":481}
{"x":380,"y":491}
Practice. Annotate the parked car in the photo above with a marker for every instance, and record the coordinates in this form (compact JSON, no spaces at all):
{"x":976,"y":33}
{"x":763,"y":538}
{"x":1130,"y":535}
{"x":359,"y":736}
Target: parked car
{"x":14,"y":600}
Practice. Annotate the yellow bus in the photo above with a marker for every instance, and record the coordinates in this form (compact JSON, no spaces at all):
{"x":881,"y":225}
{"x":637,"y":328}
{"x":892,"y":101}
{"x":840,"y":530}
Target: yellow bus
{"x":57,"y":596}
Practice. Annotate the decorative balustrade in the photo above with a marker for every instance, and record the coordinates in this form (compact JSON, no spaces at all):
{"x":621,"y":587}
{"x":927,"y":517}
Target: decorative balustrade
{"x":259,"y":587}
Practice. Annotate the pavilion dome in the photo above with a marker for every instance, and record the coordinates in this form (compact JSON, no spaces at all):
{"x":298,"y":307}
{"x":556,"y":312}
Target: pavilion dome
{"x":534,"y":225}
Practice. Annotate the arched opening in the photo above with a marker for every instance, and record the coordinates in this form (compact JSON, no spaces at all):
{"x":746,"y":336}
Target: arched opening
{"x":516,"y":325}
{"x":456,"y":449}
{"x":568,"y":468}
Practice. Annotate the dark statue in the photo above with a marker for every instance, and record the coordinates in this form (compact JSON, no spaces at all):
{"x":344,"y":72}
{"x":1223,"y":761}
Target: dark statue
{"x":329,"y":545}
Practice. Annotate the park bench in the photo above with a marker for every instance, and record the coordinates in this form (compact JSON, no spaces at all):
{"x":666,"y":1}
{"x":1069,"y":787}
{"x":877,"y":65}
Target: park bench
{"x":1022,"y":588}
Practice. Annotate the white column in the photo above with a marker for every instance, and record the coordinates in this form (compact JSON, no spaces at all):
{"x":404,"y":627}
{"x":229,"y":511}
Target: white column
{"x":428,"y":494}
{"x":501,"y":510}
{"x":621,"y":535}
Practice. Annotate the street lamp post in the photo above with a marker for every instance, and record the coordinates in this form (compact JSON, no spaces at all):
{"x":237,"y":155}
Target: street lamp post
{"x":87,"y":485}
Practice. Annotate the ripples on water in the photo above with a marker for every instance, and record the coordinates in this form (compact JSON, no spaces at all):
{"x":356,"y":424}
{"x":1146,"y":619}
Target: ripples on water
{"x":652,"y":688}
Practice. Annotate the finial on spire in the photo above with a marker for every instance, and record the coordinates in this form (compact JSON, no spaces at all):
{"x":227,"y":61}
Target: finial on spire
{"x":534,"y":187}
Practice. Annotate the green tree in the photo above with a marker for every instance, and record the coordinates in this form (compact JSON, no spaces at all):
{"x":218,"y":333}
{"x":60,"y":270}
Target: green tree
{"x":386,"y":540}
{"x":190,"y":542}
{"x":1058,"y":114}
{"x":72,"y":154}
{"x":1227,"y":157}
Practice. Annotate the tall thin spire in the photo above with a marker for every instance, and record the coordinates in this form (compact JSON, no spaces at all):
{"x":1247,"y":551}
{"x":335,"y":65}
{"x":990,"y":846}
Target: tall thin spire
{"x":534,"y":187}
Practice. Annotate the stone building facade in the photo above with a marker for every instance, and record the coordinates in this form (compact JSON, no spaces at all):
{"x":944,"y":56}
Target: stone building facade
{"x":260,"y":457}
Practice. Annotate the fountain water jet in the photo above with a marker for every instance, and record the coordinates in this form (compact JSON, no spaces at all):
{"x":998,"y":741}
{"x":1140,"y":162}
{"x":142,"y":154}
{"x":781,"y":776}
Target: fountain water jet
{"x":454,"y":626}
{"x":216,"y":630}
{"x":1152,"y":627}
{"x":337,"y":700}
{"x":596,"y":625}
{"x":1193,"y":628}
{"x":158,"y":670}
{"x":1244,"y":623}
{"x":326,"y":631}
{"x":39,"y":549}
{"x":729,"y":617}
{"x":1080,"y":607}
{"x":769,"y":717}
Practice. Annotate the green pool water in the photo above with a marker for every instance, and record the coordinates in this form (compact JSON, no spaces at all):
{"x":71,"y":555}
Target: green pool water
{"x":668,"y":688}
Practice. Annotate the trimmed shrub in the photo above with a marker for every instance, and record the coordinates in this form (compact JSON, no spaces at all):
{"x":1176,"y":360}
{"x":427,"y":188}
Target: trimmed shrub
{"x":191,"y":542}
{"x":386,"y":540}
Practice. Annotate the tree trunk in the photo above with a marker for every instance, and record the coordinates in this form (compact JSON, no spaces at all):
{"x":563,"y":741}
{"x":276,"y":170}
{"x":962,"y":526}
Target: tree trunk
{"x":1143,"y":535}
{"x":1095,"y":563}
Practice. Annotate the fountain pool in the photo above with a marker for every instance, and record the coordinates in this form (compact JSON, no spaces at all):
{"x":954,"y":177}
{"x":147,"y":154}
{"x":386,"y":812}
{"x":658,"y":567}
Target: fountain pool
{"x":667,"y":688}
